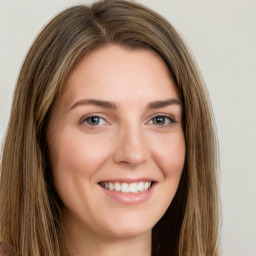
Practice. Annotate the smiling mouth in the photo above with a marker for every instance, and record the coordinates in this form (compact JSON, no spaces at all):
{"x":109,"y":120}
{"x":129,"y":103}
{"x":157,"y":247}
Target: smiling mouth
{"x":135,"y":187}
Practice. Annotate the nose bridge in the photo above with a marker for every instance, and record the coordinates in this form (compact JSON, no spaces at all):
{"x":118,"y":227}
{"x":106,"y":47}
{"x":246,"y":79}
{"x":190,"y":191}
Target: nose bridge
{"x":132,"y":146}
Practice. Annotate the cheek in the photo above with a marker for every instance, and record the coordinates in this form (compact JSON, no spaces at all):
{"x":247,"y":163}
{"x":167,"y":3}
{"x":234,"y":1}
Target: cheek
{"x":169,"y":155}
{"x":75,"y":157}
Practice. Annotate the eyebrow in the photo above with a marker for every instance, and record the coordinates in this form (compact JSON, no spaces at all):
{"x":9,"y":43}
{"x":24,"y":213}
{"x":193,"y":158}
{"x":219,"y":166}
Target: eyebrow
{"x":111,"y":105}
{"x":164,"y":103}
{"x":100,"y":103}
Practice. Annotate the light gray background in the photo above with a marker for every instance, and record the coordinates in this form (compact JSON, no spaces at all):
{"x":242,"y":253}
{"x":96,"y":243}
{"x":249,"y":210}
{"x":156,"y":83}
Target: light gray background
{"x":222,"y":36}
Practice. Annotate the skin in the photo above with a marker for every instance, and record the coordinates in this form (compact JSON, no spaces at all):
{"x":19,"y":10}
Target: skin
{"x":127,"y":143}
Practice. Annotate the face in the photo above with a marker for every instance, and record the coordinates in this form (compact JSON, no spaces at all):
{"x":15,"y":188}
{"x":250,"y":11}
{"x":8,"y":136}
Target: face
{"x":116,"y":142}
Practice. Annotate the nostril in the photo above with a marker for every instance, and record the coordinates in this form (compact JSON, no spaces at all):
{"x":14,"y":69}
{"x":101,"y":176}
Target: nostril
{"x":130,"y":156}
{"x":132,"y":148}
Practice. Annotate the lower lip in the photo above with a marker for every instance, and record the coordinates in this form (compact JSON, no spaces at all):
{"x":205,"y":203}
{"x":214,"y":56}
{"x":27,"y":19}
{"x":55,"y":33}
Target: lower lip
{"x":130,"y":198}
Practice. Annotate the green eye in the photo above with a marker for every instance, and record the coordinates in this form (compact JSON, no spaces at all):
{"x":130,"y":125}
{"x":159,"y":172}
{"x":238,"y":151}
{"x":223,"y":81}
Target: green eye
{"x":161,"y":120}
{"x":93,"y":120}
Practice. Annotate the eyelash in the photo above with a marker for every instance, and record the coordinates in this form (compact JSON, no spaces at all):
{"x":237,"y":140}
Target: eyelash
{"x":85,"y":120}
{"x":170,"y":121}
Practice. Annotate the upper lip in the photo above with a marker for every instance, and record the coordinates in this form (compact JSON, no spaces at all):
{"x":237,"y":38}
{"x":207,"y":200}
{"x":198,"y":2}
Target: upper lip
{"x":128,"y":180}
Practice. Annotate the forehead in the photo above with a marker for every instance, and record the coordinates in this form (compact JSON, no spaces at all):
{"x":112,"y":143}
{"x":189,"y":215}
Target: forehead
{"x":118,"y":73}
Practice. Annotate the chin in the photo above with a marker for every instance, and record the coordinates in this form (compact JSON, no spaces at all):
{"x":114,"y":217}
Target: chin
{"x":129,"y":227}
{"x":129,"y":232}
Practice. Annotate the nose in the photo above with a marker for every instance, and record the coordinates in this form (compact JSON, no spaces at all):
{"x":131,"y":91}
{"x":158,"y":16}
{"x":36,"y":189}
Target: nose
{"x":132,"y":147}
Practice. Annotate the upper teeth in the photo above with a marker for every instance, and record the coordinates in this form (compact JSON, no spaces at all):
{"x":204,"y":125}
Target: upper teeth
{"x":126,"y":187}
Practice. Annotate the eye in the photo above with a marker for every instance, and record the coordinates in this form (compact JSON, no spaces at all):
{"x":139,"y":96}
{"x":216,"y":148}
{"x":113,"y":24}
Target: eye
{"x":162,"y":120}
{"x":94,"y":120}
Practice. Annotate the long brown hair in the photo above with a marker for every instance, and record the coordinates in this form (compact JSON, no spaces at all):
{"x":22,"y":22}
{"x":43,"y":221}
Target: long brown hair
{"x":30,"y":216}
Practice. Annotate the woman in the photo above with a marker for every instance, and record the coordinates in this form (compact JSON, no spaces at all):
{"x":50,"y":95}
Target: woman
{"x":110,"y":147}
